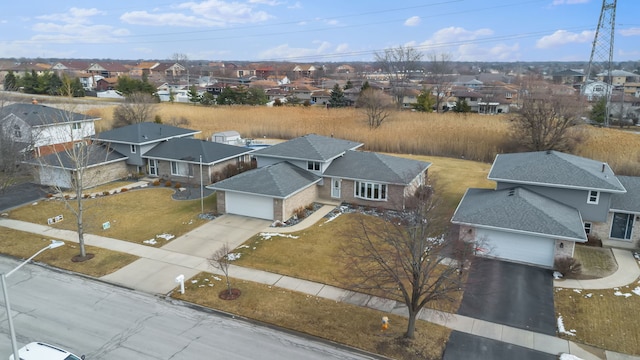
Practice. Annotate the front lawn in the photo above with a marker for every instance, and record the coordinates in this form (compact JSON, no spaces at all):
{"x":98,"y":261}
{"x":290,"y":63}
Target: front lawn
{"x":135,"y":215}
{"x":603,"y":318}
{"x":339,"y":322}
{"x":22,"y":245}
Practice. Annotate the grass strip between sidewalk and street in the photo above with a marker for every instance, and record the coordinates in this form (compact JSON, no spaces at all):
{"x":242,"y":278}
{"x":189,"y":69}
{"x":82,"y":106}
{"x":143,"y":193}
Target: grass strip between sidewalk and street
{"x":22,"y":245}
{"x":336,"y":321}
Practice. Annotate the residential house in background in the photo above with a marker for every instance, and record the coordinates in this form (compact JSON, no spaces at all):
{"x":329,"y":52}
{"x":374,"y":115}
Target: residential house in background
{"x":182,"y":159}
{"x":44,"y":129}
{"x":314,"y":168}
{"x":108,"y":69}
{"x":133,"y":141}
{"x":543,"y":204}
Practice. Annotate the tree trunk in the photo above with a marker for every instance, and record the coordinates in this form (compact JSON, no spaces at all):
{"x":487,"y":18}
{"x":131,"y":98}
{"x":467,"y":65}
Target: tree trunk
{"x":411,"y":327}
{"x":80,"y":200}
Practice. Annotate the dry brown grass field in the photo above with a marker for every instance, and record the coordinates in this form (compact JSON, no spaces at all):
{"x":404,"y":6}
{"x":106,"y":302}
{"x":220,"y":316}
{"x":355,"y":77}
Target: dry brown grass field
{"x":471,"y":136}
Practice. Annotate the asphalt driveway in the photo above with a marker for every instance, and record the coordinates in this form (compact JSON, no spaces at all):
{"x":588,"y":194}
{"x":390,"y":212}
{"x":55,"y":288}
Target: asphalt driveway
{"x":21,"y":194}
{"x":462,"y":346}
{"x":511,"y":294}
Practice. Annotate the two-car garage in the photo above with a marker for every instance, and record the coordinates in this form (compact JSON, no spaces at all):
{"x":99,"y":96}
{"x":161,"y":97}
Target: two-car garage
{"x":249,"y":205}
{"x":520,"y":248}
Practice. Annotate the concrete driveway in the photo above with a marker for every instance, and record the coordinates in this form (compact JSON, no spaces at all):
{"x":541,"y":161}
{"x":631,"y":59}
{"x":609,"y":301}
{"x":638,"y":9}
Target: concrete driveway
{"x":156,"y":273}
{"x":511,"y":294}
{"x":206,"y":239}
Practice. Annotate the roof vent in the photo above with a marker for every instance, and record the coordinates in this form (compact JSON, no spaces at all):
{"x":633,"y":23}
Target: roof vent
{"x":603,"y":166}
{"x":548,"y":152}
{"x":511,"y":192}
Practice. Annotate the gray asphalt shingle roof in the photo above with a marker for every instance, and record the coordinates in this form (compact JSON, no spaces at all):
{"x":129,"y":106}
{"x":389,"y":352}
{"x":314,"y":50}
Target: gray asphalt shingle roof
{"x":97,"y":155}
{"x":189,"y":150}
{"x":279,"y":180}
{"x":519,"y":209}
{"x":143,"y":133}
{"x":364,"y":165}
{"x":553,"y":168}
{"x":39,"y":115}
{"x":631,"y":200}
{"x":309,"y":147}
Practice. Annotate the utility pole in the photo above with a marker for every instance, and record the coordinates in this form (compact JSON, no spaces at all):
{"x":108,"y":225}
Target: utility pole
{"x":601,"y":59}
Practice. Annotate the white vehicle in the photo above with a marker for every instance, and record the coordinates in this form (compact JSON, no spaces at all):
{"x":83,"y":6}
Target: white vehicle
{"x":42,"y":351}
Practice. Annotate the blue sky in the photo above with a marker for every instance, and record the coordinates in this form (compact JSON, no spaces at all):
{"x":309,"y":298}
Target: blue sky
{"x":313,"y":31}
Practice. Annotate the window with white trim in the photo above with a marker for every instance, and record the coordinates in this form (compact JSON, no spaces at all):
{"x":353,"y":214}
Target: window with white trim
{"x":133,"y":149}
{"x":587,"y":228}
{"x":370,"y":191}
{"x":313,"y":165}
{"x":594,"y":197}
{"x":76,"y":126}
{"x":17,"y":132}
{"x":180,"y":169}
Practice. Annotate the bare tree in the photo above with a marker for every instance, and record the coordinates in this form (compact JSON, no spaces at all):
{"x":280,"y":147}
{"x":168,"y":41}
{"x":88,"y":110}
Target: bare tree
{"x":138,"y":107}
{"x":78,"y":161}
{"x":404,"y":256}
{"x":439,"y":77}
{"x":220,"y":260}
{"x":546,"y":119}
{"x":376,"y":105}
{"x":399,"y":63}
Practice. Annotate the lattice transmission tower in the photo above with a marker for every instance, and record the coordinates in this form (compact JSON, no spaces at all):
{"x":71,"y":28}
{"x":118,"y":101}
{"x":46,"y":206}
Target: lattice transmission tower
{"x":601,"y":60}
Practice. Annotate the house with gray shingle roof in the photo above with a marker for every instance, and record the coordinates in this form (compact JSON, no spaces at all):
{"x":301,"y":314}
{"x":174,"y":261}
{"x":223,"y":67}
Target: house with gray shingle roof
{"x":314,"y":168}
{"x":45,"y":129}
{"x":135,"y":140}
{"x":182,"y":159}
{"x":622,"y":227}
{"x":544,"y":203}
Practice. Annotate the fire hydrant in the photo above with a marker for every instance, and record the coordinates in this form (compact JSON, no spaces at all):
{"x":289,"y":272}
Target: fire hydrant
{"x":385,"y":323}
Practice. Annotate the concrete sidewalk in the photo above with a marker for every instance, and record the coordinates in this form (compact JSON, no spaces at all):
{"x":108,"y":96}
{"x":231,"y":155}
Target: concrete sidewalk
{"x":157,"y":268}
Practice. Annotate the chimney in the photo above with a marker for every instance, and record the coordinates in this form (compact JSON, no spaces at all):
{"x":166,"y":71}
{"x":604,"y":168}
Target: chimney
{"x":34,"y":101}
{"x":603,"y":165}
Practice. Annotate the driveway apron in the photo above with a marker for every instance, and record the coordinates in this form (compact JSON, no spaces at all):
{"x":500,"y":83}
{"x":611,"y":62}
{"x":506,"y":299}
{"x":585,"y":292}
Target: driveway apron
{"x":463,"y":346}
{"x":511,"y":294}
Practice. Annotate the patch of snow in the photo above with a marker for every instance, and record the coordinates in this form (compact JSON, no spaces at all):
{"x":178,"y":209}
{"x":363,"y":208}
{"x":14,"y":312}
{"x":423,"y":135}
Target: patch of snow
{"x":217,"y":278}
{"x":569,"y":357}
{"x":165,"y":236}
{"x":243,"y":246}
{"x":588,"y":295}
{"x":333,"y":217}
{"x":562,"y":330}
{"x":150,"y":241}
{"x":233,"y":256}
{"x":267,"y":236}
{"x":619,"y":293}
{"x":557,"y":275}
{"x":194,"y":281}
{"x":636,"y":291}
{"x":34,"y":204}
{"x":577,"y":291}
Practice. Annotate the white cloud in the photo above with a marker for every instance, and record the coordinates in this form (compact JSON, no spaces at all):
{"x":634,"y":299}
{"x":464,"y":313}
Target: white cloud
{"x":455,"y":35}
{"x":73,"y":16}
{"x":73,"y":26}
{"x":562,"y":37}
{"x":569,"y":2}
{"x":412,"y":21}
{"x":209,"y":13}
{"x":297,"y":5}
{"x":285,"y":51}
{"x":630,"y":32}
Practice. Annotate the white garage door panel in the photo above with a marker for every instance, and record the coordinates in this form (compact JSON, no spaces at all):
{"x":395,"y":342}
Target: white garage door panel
{"x":519,"y":248}
{"x":249,"y":205}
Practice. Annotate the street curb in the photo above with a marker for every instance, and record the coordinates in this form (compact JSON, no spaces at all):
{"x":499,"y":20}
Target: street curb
{"x":209,"y":310}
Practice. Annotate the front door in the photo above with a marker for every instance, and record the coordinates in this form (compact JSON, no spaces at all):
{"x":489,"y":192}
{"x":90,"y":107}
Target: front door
{"x":153,"y":167}
{"x":335,"y":187}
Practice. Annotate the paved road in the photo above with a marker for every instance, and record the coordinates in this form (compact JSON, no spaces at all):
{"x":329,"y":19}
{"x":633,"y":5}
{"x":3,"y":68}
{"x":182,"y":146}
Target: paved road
{"x":108,"y":322}
{"x":21,"y":194}
{"x":511,"y":294}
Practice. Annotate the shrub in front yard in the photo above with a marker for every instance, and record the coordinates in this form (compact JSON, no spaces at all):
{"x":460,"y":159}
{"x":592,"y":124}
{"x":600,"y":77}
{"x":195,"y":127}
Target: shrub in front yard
{"x":156,"y":183}
{"x":568,"y":266}
{"x":168,"y":183}
{"x":177,"y":186}
{"x":124,"y":190}
{"x":593,"y":240}
{"x":300,"y":213}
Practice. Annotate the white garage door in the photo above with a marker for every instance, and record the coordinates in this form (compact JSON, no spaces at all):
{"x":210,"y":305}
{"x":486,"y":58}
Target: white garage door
{"x":249,"y":205}
{"x":518,"y":248}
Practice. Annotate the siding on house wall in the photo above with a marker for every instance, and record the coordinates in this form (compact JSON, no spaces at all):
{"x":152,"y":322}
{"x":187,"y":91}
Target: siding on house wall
{"x":221,"y":204}
{"x":106,"y":173}
{"x":574,"y":198}
{"x":603,"y":230}
{"x":566,"y":250}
